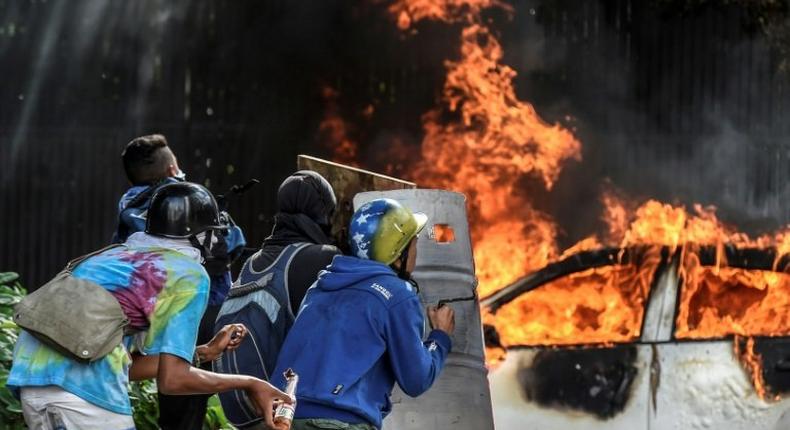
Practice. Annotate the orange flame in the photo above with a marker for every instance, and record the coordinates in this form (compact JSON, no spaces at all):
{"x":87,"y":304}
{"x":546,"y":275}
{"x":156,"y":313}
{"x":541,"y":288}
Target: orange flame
{"x":752,"y":364}
{"x":333,"y":131}
{"x":615,"y":215}
{"x":718,"y":302}
{"x":483,"y":141}
{"x":408,"y":12}
{"x":602,"y":305}
{"x":496,"y":141}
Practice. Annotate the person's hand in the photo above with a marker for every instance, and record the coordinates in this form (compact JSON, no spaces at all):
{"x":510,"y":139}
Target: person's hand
{"x":442,"y":318}
{"x":227,"y":339}
{"x":265,"y":398}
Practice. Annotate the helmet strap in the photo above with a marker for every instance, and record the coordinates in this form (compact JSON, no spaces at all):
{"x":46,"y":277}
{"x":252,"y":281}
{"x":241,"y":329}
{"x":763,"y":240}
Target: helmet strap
{"x":403,"y":259}
{"x":405,"y":274}
{"x":414,"y":284}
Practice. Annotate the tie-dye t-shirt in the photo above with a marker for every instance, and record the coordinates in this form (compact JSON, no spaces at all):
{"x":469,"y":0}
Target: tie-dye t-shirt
{"x":161,"y":291}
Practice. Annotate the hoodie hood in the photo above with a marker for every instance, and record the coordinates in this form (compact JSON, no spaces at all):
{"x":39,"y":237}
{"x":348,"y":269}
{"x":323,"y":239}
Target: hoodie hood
{"x":307,"y":192}
{"x":130,"y":195}
{"x":346,"y":271}
{"x":136,"y":190}
{"x":305,"y":204}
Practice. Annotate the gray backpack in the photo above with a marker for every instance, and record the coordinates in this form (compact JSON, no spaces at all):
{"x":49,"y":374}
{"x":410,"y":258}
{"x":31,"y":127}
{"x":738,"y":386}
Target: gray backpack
{"x":76,"y":317}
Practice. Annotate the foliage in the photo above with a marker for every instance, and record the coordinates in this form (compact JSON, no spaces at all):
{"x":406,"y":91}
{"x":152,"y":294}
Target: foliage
{"x":142,"y":394}
{"x":146,"y":409}
{"x":144,"y":404}
{"x":11,"y":292}
{"x":215,"y":417}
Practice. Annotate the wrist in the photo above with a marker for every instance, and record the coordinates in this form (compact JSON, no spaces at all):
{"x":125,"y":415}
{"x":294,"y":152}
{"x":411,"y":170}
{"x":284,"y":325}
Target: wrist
{"x":249,"y":382}
{"x":441,"y":336}
{"x":206,"y":353}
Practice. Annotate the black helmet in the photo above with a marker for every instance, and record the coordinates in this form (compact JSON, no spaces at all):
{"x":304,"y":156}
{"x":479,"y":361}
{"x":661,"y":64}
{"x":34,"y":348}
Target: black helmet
{"x":181,"y":210}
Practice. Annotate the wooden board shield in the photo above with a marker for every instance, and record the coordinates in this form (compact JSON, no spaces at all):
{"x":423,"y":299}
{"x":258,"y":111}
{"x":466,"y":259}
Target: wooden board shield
{"x":347,"y":181}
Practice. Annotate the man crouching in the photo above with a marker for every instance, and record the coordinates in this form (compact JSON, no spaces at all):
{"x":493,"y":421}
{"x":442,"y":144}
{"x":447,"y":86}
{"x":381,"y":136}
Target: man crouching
{"x":157,"y":279}
{"x":360,"y":327}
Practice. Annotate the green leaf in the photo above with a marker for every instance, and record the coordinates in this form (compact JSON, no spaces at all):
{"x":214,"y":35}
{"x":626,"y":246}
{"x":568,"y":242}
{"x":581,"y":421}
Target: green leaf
{"x":8,"y":277}
{"x":8,"y":299}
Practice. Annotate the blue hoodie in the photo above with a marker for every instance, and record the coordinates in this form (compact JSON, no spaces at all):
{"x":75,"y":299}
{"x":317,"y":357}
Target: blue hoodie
{"x":359,"y":330}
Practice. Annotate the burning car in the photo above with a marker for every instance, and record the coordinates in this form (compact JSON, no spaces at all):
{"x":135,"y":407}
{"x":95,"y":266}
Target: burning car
{"x":645,"y":337}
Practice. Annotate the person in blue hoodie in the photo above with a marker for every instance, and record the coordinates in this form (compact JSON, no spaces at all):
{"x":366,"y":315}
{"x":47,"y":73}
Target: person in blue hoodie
{"x":360,"y":328}
{"x":150,"y":164}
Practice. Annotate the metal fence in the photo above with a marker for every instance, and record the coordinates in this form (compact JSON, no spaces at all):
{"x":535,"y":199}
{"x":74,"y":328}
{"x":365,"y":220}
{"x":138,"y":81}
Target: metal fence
{"x":236,"y":87}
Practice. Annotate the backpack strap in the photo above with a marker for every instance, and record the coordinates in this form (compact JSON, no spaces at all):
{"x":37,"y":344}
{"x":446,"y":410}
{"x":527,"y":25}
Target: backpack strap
{"x":73,"y":263}
{"x":283,"y":261}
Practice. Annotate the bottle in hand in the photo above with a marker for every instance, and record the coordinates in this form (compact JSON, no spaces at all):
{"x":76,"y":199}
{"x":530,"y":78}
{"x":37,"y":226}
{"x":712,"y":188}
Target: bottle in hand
{"x":284,"y":414}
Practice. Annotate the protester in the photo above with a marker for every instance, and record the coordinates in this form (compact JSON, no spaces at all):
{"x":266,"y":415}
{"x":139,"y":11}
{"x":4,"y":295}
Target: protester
{"x":162,"y":289}
{"x":273,"y":282}
{"x":360,"y":328}
{"x":149,"y":164}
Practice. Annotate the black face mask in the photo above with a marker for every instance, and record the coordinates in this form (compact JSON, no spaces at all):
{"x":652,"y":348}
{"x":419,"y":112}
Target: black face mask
{"x":327,"y":229}
{"x":205,"y":247}
{"x":214,"y":252}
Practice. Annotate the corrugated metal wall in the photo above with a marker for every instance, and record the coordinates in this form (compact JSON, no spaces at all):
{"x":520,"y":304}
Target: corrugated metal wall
{"x":681,"y":68}
{"x":236,"y":87}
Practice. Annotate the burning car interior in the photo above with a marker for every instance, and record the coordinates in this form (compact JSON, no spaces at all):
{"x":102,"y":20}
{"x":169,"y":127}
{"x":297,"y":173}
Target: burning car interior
{"x":585,"y":327}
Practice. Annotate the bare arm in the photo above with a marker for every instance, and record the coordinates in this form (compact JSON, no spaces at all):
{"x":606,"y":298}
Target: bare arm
{"x":176,"y":376}
{"x":227,"y":339}
{"x":143,"y":367}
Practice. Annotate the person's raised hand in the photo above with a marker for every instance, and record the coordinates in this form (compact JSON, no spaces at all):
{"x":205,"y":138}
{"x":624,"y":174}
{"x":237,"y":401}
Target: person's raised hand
{"x":227,"y":338}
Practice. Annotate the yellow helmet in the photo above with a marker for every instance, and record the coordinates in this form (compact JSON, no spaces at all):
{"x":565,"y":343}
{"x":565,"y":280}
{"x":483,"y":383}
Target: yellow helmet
{"x":381,"y":229}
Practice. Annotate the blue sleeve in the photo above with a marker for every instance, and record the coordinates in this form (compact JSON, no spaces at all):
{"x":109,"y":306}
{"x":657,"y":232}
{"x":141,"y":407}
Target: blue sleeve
{"x":416,"y":364}
{"x":235,"y":239}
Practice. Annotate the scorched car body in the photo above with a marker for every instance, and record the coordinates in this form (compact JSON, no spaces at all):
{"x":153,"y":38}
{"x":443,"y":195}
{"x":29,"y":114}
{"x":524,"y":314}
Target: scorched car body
{"x":656,"y":382}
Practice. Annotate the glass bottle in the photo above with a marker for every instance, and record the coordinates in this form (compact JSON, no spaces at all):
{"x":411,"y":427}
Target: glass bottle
{"x":284,"y":414}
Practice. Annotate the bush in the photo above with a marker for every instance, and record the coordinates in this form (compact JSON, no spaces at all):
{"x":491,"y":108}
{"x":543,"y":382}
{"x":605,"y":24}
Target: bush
{"x":215,"y":416}
{"x":10,"y":294}
{"x":142,"y":394}
{"x":146,"y":408}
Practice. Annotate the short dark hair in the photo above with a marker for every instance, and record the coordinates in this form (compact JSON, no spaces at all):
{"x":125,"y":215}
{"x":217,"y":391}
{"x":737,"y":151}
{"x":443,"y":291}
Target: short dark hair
{"x":146,"y":159}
